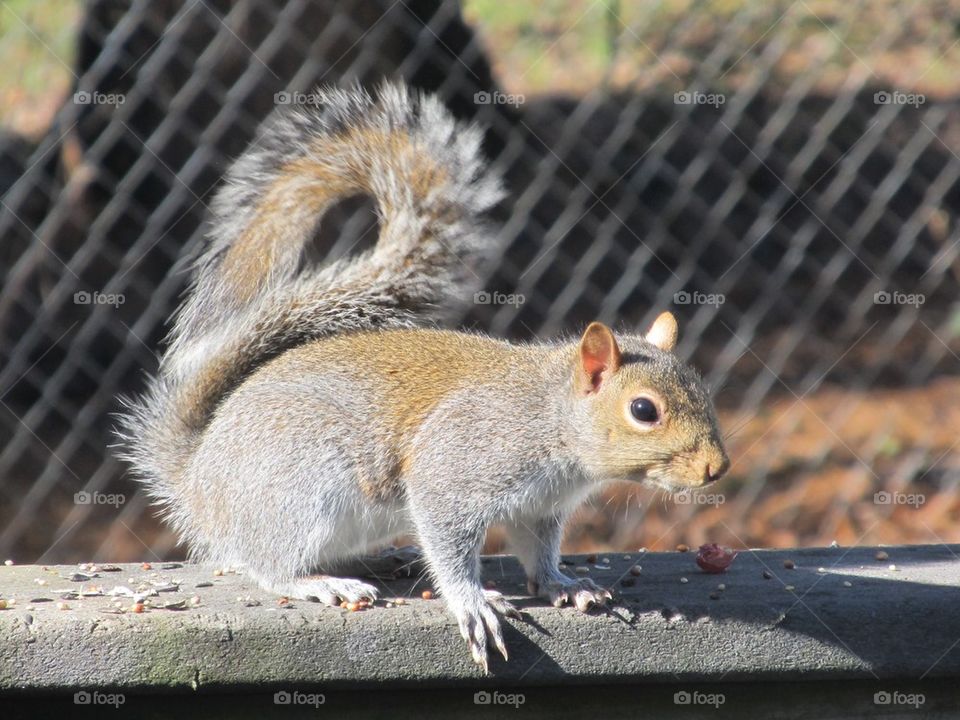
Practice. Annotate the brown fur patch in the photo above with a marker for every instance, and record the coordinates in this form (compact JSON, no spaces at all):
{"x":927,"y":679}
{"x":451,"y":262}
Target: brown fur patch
{"x":412,"y":371}
{"x":306,"y":186}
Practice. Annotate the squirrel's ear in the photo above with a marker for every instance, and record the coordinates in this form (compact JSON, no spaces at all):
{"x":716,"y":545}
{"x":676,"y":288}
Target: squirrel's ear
{"x":599,"y":356}
{"x":663,"y":333}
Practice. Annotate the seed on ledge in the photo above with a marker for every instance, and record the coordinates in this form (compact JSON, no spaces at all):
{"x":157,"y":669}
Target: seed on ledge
{"x":767,"y":574}
{"x":427,"y":594}
{"x":635,"y":570}
{"x":683,"y":548}
{"x":789,"y":564}
{"x":591,"y":559}
{"x":714,"y":596}
{"x":684,"y":580}
{"x":881,"y":555}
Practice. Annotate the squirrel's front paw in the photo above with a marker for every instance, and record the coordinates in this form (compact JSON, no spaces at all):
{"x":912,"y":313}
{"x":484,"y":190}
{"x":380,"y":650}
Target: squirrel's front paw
{"x":583,"y":592}
{"x":479,"y":624}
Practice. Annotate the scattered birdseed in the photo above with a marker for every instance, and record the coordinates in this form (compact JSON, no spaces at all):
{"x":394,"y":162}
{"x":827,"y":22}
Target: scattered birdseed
{"x":881,"y":555}
{"x":893,"y":567}
{"x":581,"y":570}
{"x":635,"y":570}
{"x":721,"y":586}
{"x":591,"y":559}
{"x":684,"y":580}
{"x":821,"y":570}
{"x":400,"y":601}
{"x":683,"y":548}
{"x":714,"y":596}
{"x":605,"y":560}
{"x":146,"y":566}
{"x":62,"y":606}
{"x":195,"y":600}
{"x":427,"y":594}
{"x":8,"y":563}
{"x":847,"y":583}
{"x":789,"y":564}
{"x":3,"y":604}
{"x":626,"y":557}
{"x":789,"y":588}
{"x":767,"y":575}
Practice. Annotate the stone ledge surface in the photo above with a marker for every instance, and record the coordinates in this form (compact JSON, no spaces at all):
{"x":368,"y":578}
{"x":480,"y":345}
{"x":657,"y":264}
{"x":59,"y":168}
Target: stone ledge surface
{"x":855,"y":619}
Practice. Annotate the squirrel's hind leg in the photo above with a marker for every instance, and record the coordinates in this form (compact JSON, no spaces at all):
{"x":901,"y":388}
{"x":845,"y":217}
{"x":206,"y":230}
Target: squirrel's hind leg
{"x":326,"y":589}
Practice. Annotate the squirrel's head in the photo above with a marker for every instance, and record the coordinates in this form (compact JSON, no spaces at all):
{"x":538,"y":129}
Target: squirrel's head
{"x":641,"y":413}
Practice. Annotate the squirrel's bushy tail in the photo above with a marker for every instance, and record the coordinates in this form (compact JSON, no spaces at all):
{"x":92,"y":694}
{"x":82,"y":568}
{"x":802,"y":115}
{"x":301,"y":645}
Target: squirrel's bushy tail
{"x":251,"y":298}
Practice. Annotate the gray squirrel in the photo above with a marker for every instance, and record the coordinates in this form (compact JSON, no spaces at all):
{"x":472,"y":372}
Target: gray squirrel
{"x":302,"y":416}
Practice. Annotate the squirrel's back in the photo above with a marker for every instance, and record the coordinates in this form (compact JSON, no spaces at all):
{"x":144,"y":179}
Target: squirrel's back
{"x":251,"y":298}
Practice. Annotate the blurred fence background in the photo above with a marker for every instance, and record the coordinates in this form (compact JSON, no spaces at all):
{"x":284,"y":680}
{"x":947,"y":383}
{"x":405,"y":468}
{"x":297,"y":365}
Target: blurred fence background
{"x":783,"y":176}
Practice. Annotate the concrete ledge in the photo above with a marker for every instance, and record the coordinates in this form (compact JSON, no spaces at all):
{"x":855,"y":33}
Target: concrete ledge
{"x":859,"y":619}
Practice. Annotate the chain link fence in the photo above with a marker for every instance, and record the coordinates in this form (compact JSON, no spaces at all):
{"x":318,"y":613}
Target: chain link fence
{"x":784,"y":177}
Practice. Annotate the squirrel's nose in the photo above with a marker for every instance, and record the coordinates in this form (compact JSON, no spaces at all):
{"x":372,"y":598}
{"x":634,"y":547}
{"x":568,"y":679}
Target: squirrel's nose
{"x":714,"y":471}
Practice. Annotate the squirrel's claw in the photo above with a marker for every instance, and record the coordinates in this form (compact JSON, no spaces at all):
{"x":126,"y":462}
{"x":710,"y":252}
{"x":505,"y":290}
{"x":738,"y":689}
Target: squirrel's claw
{"x":498,"y":602}
{"x":583,"y":593}
{"x":480,"y":626}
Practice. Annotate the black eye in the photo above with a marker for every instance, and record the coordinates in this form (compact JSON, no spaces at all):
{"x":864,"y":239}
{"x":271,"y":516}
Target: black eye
{"x":644,"y":410}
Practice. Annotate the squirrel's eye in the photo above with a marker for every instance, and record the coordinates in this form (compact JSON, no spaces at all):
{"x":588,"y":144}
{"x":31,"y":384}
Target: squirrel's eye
{"x":644,"y":410}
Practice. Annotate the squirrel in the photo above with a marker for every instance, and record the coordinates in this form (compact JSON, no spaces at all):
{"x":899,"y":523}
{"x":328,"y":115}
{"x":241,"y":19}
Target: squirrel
{"x":304,"y":415}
